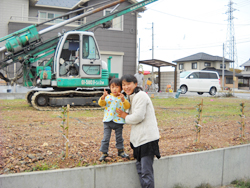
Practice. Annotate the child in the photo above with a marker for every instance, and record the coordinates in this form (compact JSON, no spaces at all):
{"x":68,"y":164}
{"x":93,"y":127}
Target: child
{"x":111,"y":121}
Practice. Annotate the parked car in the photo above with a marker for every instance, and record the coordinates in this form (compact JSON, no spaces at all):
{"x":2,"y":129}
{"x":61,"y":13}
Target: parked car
{"x":200,"y":81}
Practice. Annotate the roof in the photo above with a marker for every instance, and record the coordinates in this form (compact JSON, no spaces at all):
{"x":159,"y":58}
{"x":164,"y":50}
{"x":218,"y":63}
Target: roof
{"x":66,"y":4}
{"x":157,"y":63}
{"x":202,"y":57}
{"x":246,"y":63}
{"x":219,"y":71}
{"x":61,"y":3}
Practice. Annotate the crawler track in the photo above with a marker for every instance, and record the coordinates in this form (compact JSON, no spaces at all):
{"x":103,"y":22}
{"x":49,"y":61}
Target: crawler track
{"x":50,"y":95}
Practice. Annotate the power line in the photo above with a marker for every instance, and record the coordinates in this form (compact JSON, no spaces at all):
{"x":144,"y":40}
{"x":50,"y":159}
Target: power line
{"x":191,"y":19}
{"x":198,"y":47}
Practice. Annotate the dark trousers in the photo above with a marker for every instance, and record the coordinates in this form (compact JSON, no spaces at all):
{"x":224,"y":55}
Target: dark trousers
{"x":145,"y":171}
{"x":108,"y":127}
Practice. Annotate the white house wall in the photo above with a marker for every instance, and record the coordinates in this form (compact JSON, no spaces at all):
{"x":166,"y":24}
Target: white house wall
{"x":10,"y":8}
{"x":201,"y":65}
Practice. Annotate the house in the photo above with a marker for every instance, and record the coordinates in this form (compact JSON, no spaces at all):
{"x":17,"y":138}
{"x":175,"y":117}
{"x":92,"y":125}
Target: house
{"x":200,"y":61}
{"x":244,"y":79}
{"x":203,"y":61}
{"x":119,"y":41}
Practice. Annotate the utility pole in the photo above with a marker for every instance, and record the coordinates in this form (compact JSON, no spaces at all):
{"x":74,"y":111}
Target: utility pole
{"x":152,"y":40}
{"x":152,"y":51}
{"x":139,"y":50}
{"x":233,"y":71}
{"x":223,"y":63}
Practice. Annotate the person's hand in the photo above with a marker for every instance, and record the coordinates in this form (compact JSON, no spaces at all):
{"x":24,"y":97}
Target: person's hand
{"x":105,"y":94}
{"x":121,"y":113}
{"x":121,"y":96}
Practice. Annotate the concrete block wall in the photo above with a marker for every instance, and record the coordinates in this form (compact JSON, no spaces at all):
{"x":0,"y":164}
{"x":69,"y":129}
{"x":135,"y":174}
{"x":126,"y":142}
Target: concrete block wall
{"x":190,"y":169}
{"x":236,"y":163}
{"x":216,"y":167}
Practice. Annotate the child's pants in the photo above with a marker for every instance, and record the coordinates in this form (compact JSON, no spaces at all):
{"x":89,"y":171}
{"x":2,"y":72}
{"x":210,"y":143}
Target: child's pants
{"x":108,"y":127}
{"x":145,"y":171}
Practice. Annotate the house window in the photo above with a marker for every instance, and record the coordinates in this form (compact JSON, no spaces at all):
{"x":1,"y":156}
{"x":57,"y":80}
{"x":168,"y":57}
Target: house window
{"x":229,"y":80}
{"x":44,"y":16}
{"x":222,"y":66}
{"x":181,"y":66}
{"x":194,"y":65}
{"x":117,"y":23}
{"x":207,"y":64}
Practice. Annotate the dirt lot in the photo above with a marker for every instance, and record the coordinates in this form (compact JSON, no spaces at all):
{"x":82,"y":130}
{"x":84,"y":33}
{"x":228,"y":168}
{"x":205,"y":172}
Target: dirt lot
{"x":32,"y":140}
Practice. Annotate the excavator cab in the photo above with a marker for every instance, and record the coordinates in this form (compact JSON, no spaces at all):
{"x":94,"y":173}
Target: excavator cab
{"x":77,"y":55}
{"x":77,"y":62}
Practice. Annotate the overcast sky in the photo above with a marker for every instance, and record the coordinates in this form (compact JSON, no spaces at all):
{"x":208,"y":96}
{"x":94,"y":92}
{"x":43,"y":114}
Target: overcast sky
{"x":187,"y":27}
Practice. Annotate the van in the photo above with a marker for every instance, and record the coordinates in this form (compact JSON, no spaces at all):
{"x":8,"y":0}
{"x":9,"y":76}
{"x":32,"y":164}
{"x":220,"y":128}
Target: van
{"x":200,"y":81}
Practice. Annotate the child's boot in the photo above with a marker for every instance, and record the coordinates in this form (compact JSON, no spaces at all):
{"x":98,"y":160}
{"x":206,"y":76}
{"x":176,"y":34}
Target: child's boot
{"x":104,"y":155}
{"x":122,"y":154}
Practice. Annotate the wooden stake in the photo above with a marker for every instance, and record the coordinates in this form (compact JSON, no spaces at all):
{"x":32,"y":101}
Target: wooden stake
{"x":243,"y":121}
{"x":67,"y":133}
{"x":199,"y":122}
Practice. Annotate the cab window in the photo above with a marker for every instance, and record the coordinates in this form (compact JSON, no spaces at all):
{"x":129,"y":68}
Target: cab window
{"x":89,"y":48}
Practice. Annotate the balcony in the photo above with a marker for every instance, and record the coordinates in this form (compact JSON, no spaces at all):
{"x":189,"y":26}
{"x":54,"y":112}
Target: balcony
{"x":37,"y":20}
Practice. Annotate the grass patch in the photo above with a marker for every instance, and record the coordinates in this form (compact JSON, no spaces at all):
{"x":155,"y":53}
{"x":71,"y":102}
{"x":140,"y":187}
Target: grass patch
{"x":16,"y":104}
{"x":214,"y":108}
{"x":241,"y":183}
{"x":204,"y":185}
{"x":166,"y":109}
{"x":44,"y":166}
{"x":179,"y":186}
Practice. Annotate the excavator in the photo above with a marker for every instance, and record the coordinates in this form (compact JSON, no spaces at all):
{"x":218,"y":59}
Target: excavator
{"x":75,"y":71}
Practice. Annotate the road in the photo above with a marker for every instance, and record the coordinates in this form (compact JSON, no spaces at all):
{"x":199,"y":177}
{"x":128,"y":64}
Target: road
{"x":238,"y":94}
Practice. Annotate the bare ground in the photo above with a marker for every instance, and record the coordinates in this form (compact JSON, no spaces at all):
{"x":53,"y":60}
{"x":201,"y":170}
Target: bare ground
{"x":32,"y":140}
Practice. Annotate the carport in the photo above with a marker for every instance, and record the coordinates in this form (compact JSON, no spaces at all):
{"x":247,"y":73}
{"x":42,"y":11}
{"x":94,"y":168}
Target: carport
{"x":158,"y":64}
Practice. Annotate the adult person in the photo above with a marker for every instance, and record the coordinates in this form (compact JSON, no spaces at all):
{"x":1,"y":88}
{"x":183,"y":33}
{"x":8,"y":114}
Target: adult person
{"x":144,"y":136}
{"x":139,"y":76}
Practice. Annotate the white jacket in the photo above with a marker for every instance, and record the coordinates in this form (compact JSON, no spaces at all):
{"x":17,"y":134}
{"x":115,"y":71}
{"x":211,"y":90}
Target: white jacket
{"x":141,"y":116}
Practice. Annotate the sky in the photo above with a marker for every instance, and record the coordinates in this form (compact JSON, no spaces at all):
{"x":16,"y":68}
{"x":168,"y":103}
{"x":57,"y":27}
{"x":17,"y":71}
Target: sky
{"x":185,"y":27}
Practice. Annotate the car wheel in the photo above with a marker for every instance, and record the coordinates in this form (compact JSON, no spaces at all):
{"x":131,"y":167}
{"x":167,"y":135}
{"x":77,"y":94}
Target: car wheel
{"x":212,"y":91}
{"x":200,"y":93}
{"x":183,"y":89}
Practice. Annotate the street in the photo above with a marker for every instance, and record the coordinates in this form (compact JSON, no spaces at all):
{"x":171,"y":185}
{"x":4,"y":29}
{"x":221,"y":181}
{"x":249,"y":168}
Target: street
{"x":238,"y":94}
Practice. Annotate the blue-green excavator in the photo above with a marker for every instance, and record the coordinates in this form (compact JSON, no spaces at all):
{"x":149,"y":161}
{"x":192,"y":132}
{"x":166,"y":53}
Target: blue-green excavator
{"x":75,"y":71}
